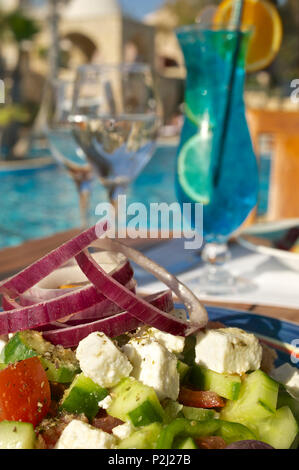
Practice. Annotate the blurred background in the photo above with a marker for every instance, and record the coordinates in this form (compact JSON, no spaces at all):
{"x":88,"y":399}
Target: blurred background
{"x":46,"y":39}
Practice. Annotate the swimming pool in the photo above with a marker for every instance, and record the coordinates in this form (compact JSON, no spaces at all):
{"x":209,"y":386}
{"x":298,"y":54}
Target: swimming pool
{"x":37,"y":203}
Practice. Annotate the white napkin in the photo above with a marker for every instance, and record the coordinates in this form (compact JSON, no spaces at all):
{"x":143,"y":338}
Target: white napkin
{"x":274,"y":284}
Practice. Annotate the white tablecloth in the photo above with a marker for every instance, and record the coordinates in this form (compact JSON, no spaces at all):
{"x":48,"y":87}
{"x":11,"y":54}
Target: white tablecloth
{"x":274,"y":284}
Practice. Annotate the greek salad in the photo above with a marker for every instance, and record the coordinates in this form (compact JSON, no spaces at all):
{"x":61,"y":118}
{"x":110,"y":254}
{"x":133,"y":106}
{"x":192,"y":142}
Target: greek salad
{"x":88,"y":363}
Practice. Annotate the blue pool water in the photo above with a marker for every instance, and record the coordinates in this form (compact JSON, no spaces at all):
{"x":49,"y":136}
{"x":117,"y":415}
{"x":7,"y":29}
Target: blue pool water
{"x":39,"y":203}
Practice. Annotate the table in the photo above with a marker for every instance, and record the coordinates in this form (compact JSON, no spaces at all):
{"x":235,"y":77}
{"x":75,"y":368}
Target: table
{"x":14,"y":259}
{"x":288,"y":314}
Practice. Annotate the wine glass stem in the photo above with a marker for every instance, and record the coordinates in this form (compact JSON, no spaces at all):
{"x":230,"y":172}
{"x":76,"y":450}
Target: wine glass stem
{"x":84,"y":202}
{"x":216,"y":255}
{"x":113,"y":194}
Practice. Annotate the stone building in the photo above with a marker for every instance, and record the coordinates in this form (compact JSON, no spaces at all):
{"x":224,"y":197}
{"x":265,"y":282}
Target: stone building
{"x":169,"y":57}
{"x":97,"y":31}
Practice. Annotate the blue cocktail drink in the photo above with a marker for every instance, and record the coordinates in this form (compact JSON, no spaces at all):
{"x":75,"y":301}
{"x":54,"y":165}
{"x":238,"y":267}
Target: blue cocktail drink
{"x":216,"y":164}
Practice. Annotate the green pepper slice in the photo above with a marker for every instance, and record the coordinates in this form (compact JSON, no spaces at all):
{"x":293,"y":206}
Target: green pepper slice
{"x":180,"y":427}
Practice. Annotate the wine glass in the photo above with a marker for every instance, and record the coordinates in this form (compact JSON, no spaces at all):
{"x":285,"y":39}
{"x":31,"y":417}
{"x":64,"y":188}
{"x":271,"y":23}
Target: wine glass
{"x":63,"y":146}
{"x":115,"y":119}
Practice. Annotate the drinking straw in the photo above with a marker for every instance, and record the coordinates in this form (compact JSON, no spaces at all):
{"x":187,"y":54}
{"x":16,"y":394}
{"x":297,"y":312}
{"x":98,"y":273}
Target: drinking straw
{"x":235,"y":25}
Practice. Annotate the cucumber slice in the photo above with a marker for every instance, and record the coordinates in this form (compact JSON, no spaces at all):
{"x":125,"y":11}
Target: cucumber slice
{"x":227,"y":386}
{"x":257,"y":400}
{"x":285,"y":399}
{"x":183,"y":370}
{"x":172,"y":410}
{"x":198,"y":414}
{"x":24,"y":345}
{"x":145,"y":438}
{"x":83,"y":396}
{"x":59,"y":371}
{"x":60,"y":364}
{"x":185,"y":443}
{"x":280,"y":430}
{"x":135,"y":402}
{"x":16,"y":435}
{"x":295,"y":444}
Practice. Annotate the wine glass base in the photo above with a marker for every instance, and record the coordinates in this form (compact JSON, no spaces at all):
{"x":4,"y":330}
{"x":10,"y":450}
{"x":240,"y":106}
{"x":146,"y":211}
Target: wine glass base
{"x":220,"y":282}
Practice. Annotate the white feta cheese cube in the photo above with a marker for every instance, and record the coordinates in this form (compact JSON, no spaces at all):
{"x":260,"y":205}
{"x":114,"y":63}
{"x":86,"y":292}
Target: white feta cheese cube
{"x":288,"y":376}
{"x":105,"y":403}
{"x":2,"y":344}
{"x":123,"y":430}
{"x":79,"y":435}
{"x":228,"y":350}
{"x":102,"y":361}
{"x":174,"y":344}
{"x":154,"y":366}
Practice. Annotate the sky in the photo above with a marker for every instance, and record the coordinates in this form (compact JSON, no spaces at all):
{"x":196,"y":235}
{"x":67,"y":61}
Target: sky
{"x":136,"y":8}
{"x":139,"y":8}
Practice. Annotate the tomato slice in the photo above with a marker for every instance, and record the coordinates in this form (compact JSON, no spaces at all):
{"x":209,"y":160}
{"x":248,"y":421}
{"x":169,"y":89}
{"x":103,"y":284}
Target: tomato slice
{"x":211,"y":442}
{"x":24,"y":392}
{"x":200,"y":399}
{"x":107,"y":423}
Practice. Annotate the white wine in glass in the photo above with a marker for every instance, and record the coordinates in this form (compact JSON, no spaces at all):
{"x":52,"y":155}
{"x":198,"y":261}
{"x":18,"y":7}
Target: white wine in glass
{"x":115,"y":118}
{"x":63,"y":145}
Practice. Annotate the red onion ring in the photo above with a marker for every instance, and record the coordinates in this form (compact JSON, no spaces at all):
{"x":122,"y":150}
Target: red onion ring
{"x":162,"y":300}
{"x":70,"y":275}
{"x":113,"y":326}
{"x":106,"y":292}
{"x":104,"y":308}
{"x":139,"y":308}
{"x":37,"y":315}
{"x":101,"y":310}
{"x":31,"y":275}
{"x":55,"y":325}
{"x":9,"y":304}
